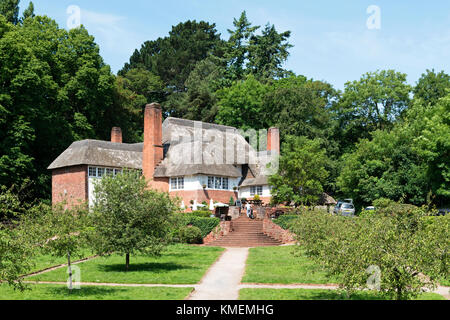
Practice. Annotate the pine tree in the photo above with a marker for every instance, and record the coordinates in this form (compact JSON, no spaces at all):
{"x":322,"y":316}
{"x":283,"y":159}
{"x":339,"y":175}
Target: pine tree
{"x":29,"y":12}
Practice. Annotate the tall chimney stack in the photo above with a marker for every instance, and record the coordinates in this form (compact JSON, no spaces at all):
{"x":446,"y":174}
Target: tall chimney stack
{"x":153,"y":152}
{"x":116,"y":135}
{"x":273,"y":140}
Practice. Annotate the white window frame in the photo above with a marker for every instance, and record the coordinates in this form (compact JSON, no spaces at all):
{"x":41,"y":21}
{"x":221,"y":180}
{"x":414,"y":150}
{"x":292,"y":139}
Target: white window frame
{"x":218,"y":183}
{"x":177,"y":183}
{"x":256,"y":190}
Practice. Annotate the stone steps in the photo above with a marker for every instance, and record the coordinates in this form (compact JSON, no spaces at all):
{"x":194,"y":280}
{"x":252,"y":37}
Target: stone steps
{"x":245,"y":233}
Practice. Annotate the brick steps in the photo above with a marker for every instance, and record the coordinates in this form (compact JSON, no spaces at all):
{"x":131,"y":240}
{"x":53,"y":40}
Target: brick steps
{"x":246,"y":233}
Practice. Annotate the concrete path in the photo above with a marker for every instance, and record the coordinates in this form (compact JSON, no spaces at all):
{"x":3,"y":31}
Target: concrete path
{"x":222,"y":280}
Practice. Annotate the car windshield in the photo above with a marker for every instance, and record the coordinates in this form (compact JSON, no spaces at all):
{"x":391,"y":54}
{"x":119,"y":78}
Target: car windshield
{"x":347,"y":206}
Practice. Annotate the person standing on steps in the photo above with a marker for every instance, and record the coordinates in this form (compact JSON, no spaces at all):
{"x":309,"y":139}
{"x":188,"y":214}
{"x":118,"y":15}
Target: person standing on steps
{"x":249,"y":209}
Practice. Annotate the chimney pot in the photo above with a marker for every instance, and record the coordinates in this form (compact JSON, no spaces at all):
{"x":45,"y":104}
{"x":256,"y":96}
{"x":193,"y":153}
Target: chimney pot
{"x":116,"y":135}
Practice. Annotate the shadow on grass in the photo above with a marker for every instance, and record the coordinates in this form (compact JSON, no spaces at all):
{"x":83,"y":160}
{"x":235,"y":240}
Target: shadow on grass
{"x":85,"y":291}
{"x":143,"y":267}
{"x":342,"y":296}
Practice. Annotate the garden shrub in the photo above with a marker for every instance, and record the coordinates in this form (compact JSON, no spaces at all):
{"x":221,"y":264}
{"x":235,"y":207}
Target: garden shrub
{"x":206,"y":225}
{"x":191,"y":235}
{"x":286,"y":221}
{"x":201,"y":213}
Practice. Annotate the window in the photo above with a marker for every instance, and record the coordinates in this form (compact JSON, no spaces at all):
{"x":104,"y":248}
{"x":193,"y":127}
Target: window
{"x":177,"y":183}
{"x":256,"y":190}
{"x":218,"y":183}
{"x":92,"y":172}
{"x":225,"y":183}
{"x":95,"y":172}
{"x":210,"y":182}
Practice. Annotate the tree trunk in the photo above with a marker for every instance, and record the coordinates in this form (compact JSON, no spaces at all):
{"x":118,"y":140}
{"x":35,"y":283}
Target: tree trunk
{"x":127,"y":261}
{"x":70,"y":272}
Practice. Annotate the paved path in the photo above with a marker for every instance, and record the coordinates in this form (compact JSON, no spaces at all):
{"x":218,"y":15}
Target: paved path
{"x":222,"y":280}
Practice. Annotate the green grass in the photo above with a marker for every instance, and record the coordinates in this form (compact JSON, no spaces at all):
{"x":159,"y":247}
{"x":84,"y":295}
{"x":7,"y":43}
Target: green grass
{"x":58,"y":292}
{"x":445,"y":282}
{"x":316,"y":294}
{"x":44,"y":261}
{"x":279,"y":265}
{"x":179,"y":264}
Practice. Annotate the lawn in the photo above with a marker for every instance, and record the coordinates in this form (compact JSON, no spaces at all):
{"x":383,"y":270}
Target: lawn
{"x":179,"y":264}
{"x":316,"y":294}
{"x":279,"y":265}
{"x":58,"y":292}
{"x":44,"y":261}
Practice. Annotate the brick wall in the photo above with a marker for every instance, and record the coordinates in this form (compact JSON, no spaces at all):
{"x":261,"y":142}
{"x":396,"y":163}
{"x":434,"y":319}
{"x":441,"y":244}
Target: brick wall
{"x":71,"y":184}
{"x":221,"y":230}
{"x":275,"y":231}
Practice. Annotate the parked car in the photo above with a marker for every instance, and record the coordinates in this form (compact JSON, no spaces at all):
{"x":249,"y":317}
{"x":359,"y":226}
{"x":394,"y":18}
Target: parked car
{"x":337,"y":206}
{"x":369,"y":209}
{"x":443,"y":212}
{"x":347,"y":209}
{"x":339,"y":203}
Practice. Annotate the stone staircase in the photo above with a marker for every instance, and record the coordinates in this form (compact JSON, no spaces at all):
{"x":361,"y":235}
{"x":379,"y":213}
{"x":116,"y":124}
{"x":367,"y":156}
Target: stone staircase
{"x":245,"y":233}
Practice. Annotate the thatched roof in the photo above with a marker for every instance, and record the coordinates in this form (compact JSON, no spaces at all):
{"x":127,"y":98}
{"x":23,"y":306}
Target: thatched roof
{"x":100,"y":153}
{"x":182,"y":155}
{"x":258,"y":181}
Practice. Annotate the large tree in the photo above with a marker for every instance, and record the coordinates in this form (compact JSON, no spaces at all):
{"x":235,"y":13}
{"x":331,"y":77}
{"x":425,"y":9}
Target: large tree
{"x":407,"y":163}
{"x":10,"y":10}
{"x":174,"y":57}
{"x":374,"y":102}
{"x":238,"y":46}
{"x":432,"y":86}
{"x":128,"y":217}
{"x":301,"y":174}
{"x":54,"y":89}
{"x":268,"y":52}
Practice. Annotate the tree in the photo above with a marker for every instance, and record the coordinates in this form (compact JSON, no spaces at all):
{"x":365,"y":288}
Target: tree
{"x":407,"y":163}
{"x":29,"y":12}
{"x":241,"y":105}
{"x":55,"y":89}
{"x":10,"y":10}
{"x":15,"y":256}
{"x":432,"y":86}
{"x":268,"y":52}
{"x":200,"y":100}
{"x":64,"y":231}
{"x":238,"y":47}
{"x":393,"y":251}
{"x":374,"y":102}
{"x":174,"y":57}
{"x":301,"y":172}
{"x":129,"y":217}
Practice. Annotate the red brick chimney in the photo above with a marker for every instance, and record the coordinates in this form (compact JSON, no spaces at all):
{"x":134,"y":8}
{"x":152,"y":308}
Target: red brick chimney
{"x":116,"y":135}
{"x":273,"y":140}
{"x":153,"y":152}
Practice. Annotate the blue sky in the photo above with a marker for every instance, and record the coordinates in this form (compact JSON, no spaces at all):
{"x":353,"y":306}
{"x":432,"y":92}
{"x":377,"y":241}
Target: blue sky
{"x":331,"y":39}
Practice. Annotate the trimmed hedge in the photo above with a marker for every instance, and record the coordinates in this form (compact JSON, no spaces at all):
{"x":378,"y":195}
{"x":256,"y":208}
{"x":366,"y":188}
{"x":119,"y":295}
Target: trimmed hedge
{"x":286,"y":221}
{"x":201,"y":213}
{"x":206,"y":225}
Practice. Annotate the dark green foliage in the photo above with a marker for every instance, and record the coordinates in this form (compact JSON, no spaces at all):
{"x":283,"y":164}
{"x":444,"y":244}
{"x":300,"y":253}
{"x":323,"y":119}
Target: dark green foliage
{"x":206,"y":225}
{"x":10,"y":10}
{"x":286,"y":221}
{"x":191,"y":235}
{"x":432,"y":86}
{"x":200,"y":213}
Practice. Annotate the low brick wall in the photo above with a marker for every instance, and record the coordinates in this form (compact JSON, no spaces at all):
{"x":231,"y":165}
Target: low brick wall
{"x":275,"y":231}
{"x":221,"y":230}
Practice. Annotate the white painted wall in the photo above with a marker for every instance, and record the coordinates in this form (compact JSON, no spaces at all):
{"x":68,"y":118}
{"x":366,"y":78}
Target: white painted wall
{"x":196,"y":182}
{"x":244,"y":192}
